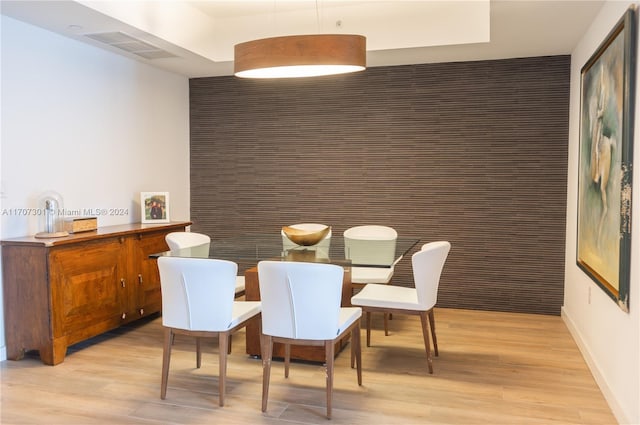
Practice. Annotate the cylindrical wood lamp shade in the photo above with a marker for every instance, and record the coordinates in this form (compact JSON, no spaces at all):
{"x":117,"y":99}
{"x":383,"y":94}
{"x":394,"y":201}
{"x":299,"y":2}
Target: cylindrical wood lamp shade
{"x":300,"y":56}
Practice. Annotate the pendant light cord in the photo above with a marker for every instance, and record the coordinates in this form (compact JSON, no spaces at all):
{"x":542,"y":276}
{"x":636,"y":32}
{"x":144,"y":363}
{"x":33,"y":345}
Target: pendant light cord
{"x":273,"y":21}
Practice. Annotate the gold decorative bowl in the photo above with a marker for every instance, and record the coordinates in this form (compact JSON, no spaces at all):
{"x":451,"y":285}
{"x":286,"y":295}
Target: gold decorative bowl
{"x":305,"y":237}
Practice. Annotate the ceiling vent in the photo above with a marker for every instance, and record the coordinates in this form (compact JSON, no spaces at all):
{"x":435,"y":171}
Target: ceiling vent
{"x":130,"y":44}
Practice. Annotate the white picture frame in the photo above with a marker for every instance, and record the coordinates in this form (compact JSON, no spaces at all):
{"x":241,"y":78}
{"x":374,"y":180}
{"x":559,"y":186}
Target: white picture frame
{"x":154,"y":207}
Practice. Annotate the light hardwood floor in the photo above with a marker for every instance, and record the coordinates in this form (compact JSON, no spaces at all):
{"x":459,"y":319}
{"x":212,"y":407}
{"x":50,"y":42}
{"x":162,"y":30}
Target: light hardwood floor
{"x":493,"y":368}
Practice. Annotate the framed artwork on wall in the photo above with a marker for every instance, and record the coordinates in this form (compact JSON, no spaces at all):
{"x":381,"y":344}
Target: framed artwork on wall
{"x":605,"y":161}
{"x":154,"y":207}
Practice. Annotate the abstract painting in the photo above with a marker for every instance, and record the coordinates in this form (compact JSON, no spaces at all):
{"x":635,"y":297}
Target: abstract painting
{"x":605,"y":160}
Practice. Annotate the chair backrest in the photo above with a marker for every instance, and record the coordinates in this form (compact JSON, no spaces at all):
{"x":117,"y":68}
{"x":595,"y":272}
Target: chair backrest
{"x":427,"y":268}
{"x":198,"y":242}
{"x":197,"y":293}
{"x":321,"y":248}
{"x":370,"y":245}
{"x":300,"y":300}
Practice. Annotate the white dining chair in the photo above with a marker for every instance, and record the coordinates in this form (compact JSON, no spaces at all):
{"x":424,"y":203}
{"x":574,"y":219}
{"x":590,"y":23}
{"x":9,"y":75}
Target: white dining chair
{"x":301,"y":306}
{"x":373,"y":245}
{"x":321,"y":248}
{"x":199,"y":245}
{"x":427,"y":267}
{"x":198,"y":300}
{"x":182,"y":240}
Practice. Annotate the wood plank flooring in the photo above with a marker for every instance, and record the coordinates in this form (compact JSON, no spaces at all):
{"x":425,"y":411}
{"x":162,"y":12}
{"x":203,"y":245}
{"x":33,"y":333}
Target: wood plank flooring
{"x":493,"y":368}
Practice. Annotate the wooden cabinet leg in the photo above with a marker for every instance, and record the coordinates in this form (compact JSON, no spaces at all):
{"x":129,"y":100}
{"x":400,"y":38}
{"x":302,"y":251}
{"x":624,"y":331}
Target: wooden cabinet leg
{"x":54,"y":353}
{"x":14,"y":354}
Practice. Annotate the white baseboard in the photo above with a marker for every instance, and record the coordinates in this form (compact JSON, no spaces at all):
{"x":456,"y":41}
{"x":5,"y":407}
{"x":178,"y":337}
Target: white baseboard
{"x":595,"y":371}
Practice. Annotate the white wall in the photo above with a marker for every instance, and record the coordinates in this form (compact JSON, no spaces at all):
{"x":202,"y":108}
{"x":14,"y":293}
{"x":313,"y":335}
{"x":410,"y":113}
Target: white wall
{"x":608,"y":337}
{"x":91,"y":125}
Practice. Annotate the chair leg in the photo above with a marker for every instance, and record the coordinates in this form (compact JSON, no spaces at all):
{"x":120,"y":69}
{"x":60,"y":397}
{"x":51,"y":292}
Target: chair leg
{"x":425,"y":335}
{"x":198,"y":353}
{"x":166,"y":359}
{"x":432,"y":323}
{"x":368,"y":329}
{"x":329,"y":360}
{"x":223,"y":346}
{"x":353,"y":350}
{"x":386,"y":323}
{"x":287,"y":359}
{"x":356,"y":348}
{"x":230,"y":338}
{"x":266,"y":346}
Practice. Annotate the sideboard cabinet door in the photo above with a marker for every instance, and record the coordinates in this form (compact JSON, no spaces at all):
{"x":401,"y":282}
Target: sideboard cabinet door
{"x":146,"y":298}
{"x":88,"y":291}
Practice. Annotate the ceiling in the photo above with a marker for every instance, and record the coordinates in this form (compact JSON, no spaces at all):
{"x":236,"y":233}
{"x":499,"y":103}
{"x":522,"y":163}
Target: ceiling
{"x":196,"y":38}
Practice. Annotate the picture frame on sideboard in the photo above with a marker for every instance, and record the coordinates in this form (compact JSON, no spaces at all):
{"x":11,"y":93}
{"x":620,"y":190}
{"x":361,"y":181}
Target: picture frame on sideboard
{"x":154,"y":207}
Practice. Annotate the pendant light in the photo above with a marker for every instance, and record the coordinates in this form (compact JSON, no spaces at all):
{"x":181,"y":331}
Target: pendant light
{"x":300,"y":55}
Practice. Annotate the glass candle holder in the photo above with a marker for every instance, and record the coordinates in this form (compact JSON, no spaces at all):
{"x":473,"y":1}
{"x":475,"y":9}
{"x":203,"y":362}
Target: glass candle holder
{"x":51,"y":212}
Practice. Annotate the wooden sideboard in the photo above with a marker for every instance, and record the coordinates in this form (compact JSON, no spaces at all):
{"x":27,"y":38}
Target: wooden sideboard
{"x":58,"y":292}
{"x":299,"y":352}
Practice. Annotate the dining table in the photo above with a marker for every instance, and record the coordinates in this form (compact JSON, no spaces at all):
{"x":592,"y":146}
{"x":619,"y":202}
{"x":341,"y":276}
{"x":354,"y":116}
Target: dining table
{"x":247,"y":250}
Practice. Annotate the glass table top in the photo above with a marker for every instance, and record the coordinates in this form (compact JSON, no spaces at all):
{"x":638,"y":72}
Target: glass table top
{"x":252,"y":248}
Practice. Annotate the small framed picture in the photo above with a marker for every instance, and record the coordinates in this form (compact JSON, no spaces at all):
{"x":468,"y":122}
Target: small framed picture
{"x":154,"y":207}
